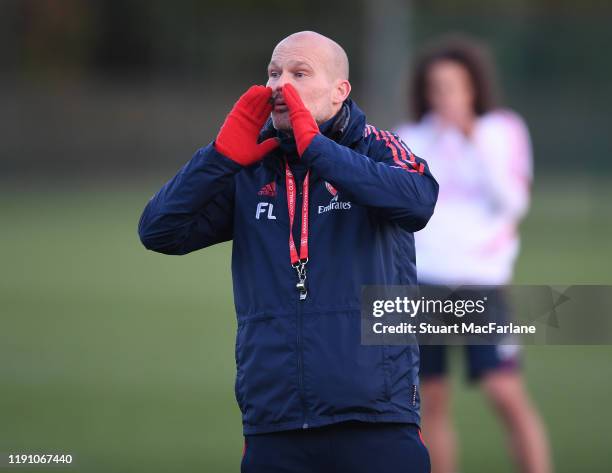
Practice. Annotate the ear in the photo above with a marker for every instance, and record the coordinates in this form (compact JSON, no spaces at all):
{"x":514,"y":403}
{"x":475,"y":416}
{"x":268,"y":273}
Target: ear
{"x":341,"y":91}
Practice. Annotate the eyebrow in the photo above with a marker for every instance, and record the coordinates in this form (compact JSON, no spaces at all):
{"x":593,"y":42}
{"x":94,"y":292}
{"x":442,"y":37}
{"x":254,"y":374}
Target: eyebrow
{"x":291,"y":64}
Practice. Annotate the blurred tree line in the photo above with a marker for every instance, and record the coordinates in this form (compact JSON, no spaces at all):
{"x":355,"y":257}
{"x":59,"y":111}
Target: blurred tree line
{"x":126,"y":82}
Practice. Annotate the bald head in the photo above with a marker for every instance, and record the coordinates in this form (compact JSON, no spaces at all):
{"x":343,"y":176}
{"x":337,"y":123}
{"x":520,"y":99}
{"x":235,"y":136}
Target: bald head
{"x":331,"y":53}
{"x":317,"y":67}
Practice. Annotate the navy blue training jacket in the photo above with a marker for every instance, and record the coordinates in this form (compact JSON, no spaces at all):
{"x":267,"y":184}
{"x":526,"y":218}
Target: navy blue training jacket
{"x":300,"y":364}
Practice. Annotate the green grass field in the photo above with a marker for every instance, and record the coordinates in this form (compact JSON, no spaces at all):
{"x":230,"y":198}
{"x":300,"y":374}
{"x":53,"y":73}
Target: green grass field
{"x":125,"y":359}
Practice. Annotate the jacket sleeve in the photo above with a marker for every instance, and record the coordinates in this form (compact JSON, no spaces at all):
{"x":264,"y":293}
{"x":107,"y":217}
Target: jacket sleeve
{"x":194,"y":209}
{"x":391,"y":179}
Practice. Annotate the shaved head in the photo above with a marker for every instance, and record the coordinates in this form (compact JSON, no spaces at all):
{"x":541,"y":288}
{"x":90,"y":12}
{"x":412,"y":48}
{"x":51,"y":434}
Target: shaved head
{"x":336,"y":60}
{"x":317,"y":67}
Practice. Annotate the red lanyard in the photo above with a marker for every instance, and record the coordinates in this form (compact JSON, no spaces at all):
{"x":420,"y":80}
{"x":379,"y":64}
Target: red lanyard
{"x":298,"y":261}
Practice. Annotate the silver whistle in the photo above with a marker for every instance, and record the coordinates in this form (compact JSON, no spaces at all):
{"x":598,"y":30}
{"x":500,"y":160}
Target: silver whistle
{"x":301,"y":286}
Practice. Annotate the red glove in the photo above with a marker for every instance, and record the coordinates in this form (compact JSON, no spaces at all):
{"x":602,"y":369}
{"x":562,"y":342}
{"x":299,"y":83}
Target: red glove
{"x":304,"y":126}
{"x":237,"y":138}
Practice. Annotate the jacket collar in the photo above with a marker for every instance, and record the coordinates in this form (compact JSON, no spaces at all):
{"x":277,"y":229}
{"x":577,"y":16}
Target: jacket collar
{"x":345,"y":128}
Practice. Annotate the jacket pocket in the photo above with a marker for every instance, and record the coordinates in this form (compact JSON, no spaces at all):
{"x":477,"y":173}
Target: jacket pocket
{"x":402,"y":376}
{"x":266,"y":388}
{"x":238,"y":391}
{"x":342,"y":376}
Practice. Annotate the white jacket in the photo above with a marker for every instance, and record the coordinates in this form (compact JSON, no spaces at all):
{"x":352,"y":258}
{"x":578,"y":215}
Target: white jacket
{"x":484,"y":192}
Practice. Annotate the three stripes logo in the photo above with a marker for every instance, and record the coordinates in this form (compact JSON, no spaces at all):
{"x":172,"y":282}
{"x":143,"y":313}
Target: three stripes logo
{"x":402,"y":156}
{"x":269,"y":190}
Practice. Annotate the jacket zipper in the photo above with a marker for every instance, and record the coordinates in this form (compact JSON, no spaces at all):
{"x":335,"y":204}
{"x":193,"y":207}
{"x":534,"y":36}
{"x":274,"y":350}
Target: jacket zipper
{"x":301,"y":366}
{"x":300,"y":347}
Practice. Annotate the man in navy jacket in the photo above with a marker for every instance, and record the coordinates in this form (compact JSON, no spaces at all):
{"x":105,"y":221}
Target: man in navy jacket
{"x":318,"y":204}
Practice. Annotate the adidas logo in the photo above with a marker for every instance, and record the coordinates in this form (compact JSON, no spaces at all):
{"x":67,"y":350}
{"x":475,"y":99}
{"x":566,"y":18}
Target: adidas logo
{"x":269,"y":190}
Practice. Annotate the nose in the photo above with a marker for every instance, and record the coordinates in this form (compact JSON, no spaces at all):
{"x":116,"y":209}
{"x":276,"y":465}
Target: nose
{"x":279,"y":82}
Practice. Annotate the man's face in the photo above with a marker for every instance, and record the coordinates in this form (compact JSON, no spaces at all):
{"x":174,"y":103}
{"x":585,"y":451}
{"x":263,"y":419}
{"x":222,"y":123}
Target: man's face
{"x":306,"y":67}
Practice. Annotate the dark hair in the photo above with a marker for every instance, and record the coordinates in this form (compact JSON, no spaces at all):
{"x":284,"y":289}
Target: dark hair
{"x":472,"y":55}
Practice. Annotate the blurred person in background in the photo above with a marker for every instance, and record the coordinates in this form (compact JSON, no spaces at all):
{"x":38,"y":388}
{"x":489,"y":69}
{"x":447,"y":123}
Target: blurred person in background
{"x":481,"y":157}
